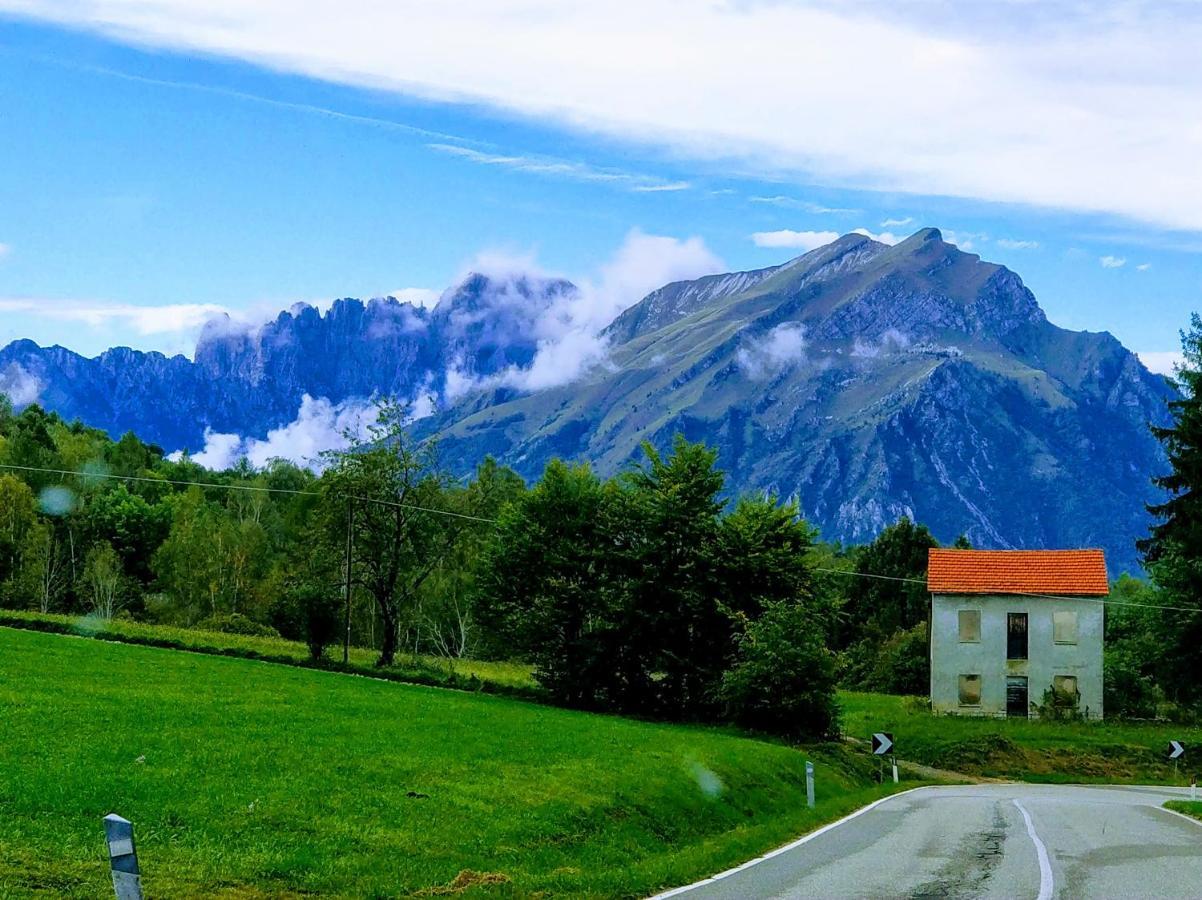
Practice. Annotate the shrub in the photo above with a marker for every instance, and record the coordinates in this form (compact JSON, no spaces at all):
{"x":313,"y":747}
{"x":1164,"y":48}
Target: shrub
{"x":236,"y":623}
{"x":783,"y":680}
{"x":319,"y":616}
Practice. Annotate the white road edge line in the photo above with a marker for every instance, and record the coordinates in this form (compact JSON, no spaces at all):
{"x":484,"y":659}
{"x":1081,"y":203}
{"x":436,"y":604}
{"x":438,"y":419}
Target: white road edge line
{"x":1045,"y":865}
{"x":1179,"y":815}
{"x":791,"y":846}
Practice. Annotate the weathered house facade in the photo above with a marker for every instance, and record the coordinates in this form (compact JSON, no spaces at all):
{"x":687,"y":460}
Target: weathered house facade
{"x":1009,"y":625}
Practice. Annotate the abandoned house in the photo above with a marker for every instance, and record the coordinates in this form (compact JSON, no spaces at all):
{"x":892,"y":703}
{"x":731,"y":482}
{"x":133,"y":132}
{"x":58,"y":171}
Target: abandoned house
{"x":1013,"y":628}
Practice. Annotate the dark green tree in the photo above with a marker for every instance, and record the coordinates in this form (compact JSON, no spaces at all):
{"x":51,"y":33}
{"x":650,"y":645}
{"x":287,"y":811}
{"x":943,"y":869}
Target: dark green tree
{"x":1173,"y":550}
{"x":783,"y":678}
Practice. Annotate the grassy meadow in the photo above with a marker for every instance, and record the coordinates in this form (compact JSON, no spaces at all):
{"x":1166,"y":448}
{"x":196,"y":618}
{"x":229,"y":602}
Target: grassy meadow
{"x":505,"y":677}
{"x":1077,"y":752}
{"x":245,"y":779}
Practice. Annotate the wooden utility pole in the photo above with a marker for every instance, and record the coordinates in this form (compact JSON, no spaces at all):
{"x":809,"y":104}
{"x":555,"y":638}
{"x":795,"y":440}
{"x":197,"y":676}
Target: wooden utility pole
{"x":350,"y":546}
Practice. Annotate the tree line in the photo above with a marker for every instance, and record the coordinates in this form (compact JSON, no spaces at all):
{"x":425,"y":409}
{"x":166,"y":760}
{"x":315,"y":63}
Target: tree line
{"x":653,"y":592}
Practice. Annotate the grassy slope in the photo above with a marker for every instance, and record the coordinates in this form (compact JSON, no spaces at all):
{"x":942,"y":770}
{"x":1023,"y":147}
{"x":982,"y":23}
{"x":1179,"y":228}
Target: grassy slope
{"x":245,"y":780}
{"x":1107,"y":751}
{"x":503,"y":676}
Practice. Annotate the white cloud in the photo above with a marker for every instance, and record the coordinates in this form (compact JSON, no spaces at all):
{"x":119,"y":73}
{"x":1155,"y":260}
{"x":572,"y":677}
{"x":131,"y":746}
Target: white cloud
{"x":5,"y":250}
{"x":319,"y":426}
{"x":797,"y":240}
{"x":965,"y":240}
{"x":559,"y":168}
{"x":1161,"y":361}
{"x":1143,"y":267}
{"x":426,"y":298}
{"x":1011,"y":244}
{"x":897,"y":223}
{"x":144,"y":320}
{"x":20,"y":385}
{"x":748,"y":82}
{"x":885,"y":237}
{"x":779,"y":349}
{"x":1112,"y":262}
{"x":891,"y":340}
{"x":566,"y":327}
{"x":806,"y":205}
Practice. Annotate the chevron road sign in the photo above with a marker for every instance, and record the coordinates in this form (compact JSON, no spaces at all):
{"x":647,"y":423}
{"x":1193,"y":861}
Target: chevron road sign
{"x":882,"y":743}
{"x":1176,"y":750}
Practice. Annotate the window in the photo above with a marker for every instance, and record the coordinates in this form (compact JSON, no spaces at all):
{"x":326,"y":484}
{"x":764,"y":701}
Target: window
{"x":1016,"y":636}
{"x":1064,"y":627}
{"x":970,"y":690}
{"x":1065,"y":685}
{"x":970,"y":626}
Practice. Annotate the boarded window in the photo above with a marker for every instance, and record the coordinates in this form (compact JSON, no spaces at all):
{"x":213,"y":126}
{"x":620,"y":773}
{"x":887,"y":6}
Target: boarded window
{"x":1064,"y":627}
{"x":970,"y":626}
{"x":970,"y":690}
{"x":1065,"y":685}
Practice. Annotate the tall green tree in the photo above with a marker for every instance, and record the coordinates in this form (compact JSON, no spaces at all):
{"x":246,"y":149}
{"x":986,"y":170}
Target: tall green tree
{"x":547,"y":585}
{"x":1173,"y":550}
{"x":391,"y":491}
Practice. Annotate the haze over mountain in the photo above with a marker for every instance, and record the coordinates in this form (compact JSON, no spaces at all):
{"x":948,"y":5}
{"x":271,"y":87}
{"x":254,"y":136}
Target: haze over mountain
{"x":869,"y":381}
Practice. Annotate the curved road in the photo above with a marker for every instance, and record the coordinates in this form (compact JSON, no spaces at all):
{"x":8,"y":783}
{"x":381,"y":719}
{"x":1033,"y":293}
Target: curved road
{"x":989,"y":840}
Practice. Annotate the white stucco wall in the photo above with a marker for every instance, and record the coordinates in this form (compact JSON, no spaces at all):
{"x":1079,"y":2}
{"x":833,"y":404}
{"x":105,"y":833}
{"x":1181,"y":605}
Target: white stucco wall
{"x":950,"y":658}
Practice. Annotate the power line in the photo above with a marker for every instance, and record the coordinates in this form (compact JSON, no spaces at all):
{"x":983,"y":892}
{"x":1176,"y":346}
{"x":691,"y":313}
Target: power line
{"x":1104,"y":602}
{"x":446,"y":512}
{"x":240,"y":487}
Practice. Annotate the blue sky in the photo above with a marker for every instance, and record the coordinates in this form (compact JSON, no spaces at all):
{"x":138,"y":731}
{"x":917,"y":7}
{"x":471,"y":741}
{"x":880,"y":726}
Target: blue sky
{"x":164,"y":161}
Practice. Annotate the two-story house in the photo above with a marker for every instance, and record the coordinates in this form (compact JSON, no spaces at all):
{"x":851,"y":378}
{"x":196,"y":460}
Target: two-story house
{"x":1008,"y":625}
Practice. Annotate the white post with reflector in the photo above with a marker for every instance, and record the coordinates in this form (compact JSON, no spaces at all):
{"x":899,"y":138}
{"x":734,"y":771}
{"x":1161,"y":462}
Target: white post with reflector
{"x":809,"y":784}
{"x":123,"y":857}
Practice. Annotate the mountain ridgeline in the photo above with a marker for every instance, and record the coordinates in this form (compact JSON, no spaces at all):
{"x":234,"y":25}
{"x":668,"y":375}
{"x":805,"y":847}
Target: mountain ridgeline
{"x":869,"y":381}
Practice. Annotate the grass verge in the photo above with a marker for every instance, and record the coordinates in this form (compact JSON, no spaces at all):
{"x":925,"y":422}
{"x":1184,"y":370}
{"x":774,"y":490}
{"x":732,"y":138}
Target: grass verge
{"x":245,"y":780}
{"x":1076,"y":752}
{"x":1191,"y":808}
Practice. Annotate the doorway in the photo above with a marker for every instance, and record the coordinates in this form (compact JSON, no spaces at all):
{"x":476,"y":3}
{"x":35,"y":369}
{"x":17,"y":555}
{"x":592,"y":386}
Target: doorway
{"x":1016,"y":696}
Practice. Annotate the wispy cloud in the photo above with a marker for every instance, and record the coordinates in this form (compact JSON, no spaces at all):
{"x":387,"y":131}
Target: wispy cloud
{"x":144,"y":320}
{"x":898,"y":223}
{"x":1011,"y":244}
{"x":885,"y":237}
{"x":804,"y":205}
{"x":1143,"y":267}
{"x":796,"y":240}
{"x":965,"y":240}
{"x":1112,"y":262}
{"x":560,"y":168}
{"x":1161,"y":361}
{"x":901,"y":70}
{"x":5,"y":249}
{"x":426,"y":297}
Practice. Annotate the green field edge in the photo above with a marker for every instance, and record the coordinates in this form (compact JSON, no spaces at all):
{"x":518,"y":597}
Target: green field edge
{"x":227,"y":645}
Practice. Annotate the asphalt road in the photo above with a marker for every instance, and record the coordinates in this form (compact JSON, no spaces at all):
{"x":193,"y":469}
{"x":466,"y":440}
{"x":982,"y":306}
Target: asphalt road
{"x":992,"y":840}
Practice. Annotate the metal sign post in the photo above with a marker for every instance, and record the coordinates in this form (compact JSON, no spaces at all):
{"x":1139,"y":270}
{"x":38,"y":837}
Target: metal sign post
{"x":809,"y":784}
{"x":123,"y":858}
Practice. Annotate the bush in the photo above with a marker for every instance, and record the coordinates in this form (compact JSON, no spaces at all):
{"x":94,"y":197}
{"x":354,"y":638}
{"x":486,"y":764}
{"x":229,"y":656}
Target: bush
{"x":319,"y":616}
{"x":783,"y":680}
{"x":235,"y":623}
{"x":903,"y":664}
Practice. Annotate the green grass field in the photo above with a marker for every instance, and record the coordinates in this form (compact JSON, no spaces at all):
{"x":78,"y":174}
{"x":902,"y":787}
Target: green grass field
{"x":1108,"y":751}
{"x":505,"y":676}
{"x":246,"y":779}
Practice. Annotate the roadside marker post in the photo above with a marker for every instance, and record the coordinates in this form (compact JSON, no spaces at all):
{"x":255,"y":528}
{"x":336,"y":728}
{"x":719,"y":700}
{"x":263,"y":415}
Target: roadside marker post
{"x":123,"y":857}
{"x":809,"y":784}
{"x":1176,"y":751}
{"x":1193,"y":787}
{"x":882,"y":743}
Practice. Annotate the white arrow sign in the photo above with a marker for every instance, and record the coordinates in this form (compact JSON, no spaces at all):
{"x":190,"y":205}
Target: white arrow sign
{"x":1175,"y":749}
{"x":882,"y":743}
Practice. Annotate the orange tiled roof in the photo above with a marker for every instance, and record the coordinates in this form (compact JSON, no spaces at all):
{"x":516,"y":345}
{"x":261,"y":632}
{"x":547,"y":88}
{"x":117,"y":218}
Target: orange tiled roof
{"x":1074,"y":572}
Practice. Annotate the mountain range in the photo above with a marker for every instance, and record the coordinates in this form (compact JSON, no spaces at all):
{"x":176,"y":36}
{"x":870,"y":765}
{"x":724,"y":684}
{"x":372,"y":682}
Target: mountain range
{"x":869,"y":381}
